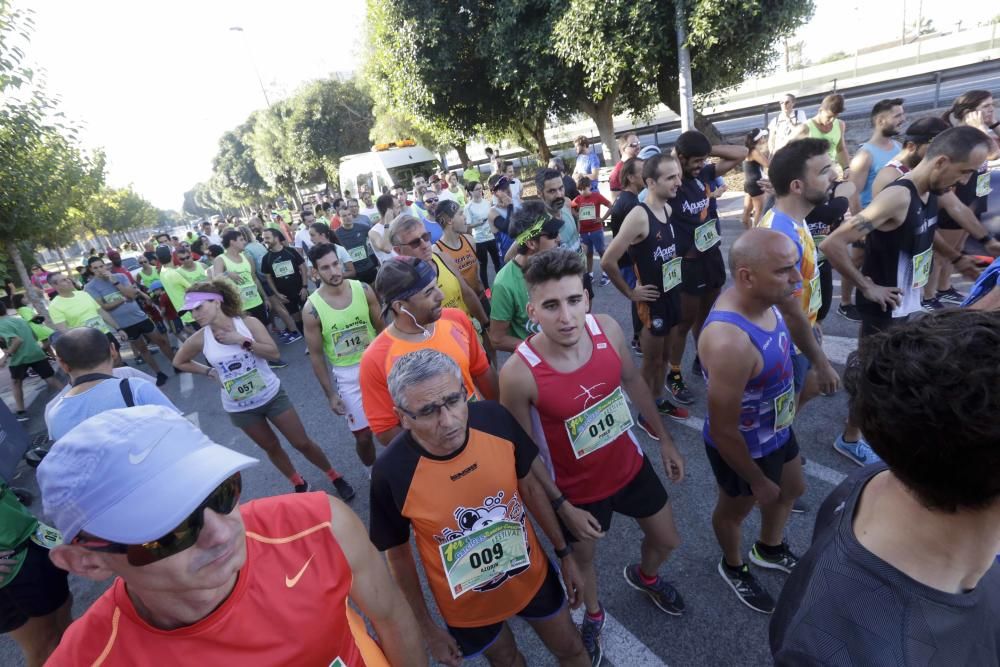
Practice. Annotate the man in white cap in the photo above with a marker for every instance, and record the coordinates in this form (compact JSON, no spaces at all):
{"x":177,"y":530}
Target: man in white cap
{"x":141,"y":493}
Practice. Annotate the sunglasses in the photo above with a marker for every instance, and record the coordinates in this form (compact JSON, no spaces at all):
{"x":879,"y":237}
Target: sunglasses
{"x":183,"y":258}
{"x":552,"y":236}
{"x":222,"y":500}
{"x":430,"y":200}
{"x":433,"y":409}
{"x":419,"y":241}
{"x":634,"y":144}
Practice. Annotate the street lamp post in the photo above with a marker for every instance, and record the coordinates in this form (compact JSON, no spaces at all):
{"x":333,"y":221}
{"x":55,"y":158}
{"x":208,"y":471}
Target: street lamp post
{"x":253,"y":64}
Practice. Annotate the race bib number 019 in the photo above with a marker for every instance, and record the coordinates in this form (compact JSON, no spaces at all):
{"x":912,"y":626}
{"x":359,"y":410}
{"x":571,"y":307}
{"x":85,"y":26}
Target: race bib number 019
{"x":706,"y":236}
{"x":483,"y":555}
{"x":922,"y":268}
{"x":599,"y":425}
{"x":350,"y":341}
{"x":784,"y":409}
{"x":245,"y":386}
{"x":671,"y":274}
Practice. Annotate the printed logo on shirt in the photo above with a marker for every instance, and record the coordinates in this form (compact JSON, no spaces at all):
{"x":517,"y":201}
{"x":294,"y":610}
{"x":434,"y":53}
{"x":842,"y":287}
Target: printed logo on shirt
{"x":290,"y":582}
{"x":694,"y":207}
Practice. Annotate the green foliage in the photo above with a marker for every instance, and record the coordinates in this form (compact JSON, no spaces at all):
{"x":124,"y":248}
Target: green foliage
{"x":330,"y":119}
{"x":234,"y":169}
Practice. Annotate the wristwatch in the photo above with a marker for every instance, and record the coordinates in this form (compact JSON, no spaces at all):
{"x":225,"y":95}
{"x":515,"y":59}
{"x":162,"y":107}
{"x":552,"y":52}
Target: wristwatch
{"x":986,"y":239}
{"x":247,"y":344}
{"x":565,"y":551}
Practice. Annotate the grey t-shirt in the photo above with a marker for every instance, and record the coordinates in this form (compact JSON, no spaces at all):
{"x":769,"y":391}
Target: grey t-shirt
{"x":105,"y":292}
{"x":355,"y":240}
{"x":844,"y":606}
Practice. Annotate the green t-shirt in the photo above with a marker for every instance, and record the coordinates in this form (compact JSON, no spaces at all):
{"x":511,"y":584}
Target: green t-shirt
{"x":148,"y":280}
{"x":472,"y":175}
{"x":510,"y":301}
{"x":79,"y":310}
{"x":28,"y":352}
{"x":176,"y":282}
{"x":16,"y":526}
{"x":42,"y":332}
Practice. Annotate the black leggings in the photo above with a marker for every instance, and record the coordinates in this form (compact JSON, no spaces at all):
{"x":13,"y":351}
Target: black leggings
{"x":826,"y":285}
{"x":484,"y":249}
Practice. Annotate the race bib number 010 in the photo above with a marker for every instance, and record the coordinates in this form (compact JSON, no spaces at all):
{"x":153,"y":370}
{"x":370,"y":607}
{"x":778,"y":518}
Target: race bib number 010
{"x":599,"y":425}
{"x":483,"y":555}
{"x":706,"y":236}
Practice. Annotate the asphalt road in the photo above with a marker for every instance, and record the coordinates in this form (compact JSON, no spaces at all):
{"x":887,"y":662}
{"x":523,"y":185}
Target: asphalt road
{"x":716,"y":629}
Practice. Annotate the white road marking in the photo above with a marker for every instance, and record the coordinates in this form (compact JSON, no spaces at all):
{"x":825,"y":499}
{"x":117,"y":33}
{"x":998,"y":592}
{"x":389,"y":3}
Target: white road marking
{"x":620,"y":646}
{"x":187,"y":383}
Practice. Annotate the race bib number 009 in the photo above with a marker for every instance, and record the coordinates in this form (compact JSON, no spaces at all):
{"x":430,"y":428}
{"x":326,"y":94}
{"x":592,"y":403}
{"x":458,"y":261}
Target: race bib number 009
{"x":483,"y":555}
{"x":706,"y":236}
{"x":599,"y":425}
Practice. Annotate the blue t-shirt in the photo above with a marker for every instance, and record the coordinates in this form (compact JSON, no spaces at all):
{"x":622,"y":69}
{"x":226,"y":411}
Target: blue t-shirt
{"x":105,"y":292}
{"x":63,"y":413}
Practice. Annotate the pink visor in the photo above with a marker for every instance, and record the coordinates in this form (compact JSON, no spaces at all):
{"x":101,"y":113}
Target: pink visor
{"x":193,"y":299}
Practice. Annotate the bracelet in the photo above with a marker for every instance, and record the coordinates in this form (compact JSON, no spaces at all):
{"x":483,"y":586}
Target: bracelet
{"x":558,"y":502}
{"x":565,"y":551}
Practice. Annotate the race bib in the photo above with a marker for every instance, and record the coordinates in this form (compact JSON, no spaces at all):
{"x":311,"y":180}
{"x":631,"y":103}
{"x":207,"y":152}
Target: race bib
{"x":784,"y":409}
{"x":46,"y":536}
{"x":358,"y":254}
{"x":483,"y":555}
{"x":481,"y":233}
{"x":671,"y":274}
{"x":97,"y":323}
{"x":588,"y":212}
{"x":815,"y":294}
{"x":706,"y":236}
{"x":922,"y":267}
{"x":349,"y":342}
{"x":113,"y":298}
{"x":983,"y":188}
{"x":282,"y":269}
{"x":248,"y":292}
{"x":599,"y":425}
{"x":820,"y":257}
{"x":245,"y":386}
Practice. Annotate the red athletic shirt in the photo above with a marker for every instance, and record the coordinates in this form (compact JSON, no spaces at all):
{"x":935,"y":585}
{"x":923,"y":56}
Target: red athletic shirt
{"x":615,"y":179}
{"x":289,"y":606}
{"x":588,"y":209}
{"x":602,"y":472}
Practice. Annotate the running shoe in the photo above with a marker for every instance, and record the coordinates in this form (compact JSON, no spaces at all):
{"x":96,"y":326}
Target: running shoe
{"x":858,"y":452}
{"x":292,"y":336}
{"x":636,"y":347}
{"x":675,"y":383}
{"x":950,"y":295}
{"x":605,"y":281}
{"x":344,"y":489}
{"x":849,"y":312}
{"x":302,"y":488}
{"x":161,"y":379}
{"x":931,"y":304}
{"x":675,"y":412}
{"x":785,"y":561}
{"x":799,"y":507}
{"x":590,"y":632}
{"x":696,"y":366}
{"x":747,"y":588}
{"x":32,"y":373}
{"x":280,"y":363}
{"x":647,"y":429}
{"x":22,"y":416}
{"x":660,"y":592}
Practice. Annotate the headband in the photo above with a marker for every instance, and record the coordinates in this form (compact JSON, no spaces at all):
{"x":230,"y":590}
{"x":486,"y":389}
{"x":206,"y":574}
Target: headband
{"x":532,"y":232}
{"x":193,"y":299}
{"x":422,"y":274}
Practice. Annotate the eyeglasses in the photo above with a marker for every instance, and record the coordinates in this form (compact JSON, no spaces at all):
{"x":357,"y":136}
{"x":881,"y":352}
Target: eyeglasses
{"x":634,"y":144}
{"x":430,"y":200}
{"x":144,"y":263}
{"x":222,"y":500}
{"x":183,"y":258}
{"x":450,"y":401}
{"x":552,"y":236}
{"x":419,"y":241}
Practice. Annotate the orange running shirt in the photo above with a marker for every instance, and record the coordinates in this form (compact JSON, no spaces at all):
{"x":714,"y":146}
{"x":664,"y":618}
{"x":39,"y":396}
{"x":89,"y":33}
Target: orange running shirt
{"x":465,"y":260}
{"x":453,"y":336}
{"x":454,"y":501}
{"x":289,"y":606}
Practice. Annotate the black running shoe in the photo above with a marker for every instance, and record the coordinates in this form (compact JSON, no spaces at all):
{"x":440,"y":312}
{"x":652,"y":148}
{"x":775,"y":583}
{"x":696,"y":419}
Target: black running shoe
{"x":675,"y":412}
{"x":22,"y":416}
{"x":931,"y":304}
{"x":161,"y":379}
{"x":950,"y":296}
{"x":302,"y":488}
{"x":636,"y":347}
{"x":799,"y":507}
{"x":280,"y":363}
{"x":660,"y":592}
{"x":784,"y":561}
{"x":590,"y":632}
{"x":344,"y":489}
{"x":849,"y":312}
{"x":747,"y":588}
{"x":675,"y":383}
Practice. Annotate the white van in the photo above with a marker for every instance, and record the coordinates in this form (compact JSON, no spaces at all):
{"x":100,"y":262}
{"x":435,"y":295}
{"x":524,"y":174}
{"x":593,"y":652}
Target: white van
{"x":386,"y":165}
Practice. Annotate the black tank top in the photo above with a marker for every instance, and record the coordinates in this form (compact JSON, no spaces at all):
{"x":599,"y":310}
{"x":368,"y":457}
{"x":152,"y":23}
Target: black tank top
{"x":968,"y":194}
{"x":901,"y":257}
{"x":658,"y":248}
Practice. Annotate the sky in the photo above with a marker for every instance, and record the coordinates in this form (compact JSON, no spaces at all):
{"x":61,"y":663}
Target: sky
{"x":157,"y":83}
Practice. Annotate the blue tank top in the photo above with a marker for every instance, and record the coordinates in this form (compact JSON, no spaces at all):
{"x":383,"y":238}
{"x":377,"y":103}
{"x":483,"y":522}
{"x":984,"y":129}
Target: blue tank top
{"x":768,"y":405}
{"x":880,"y":158}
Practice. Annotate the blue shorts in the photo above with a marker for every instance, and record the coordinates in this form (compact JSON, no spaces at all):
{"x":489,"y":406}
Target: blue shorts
{"x":800,"y":367}
{"x":594,"y":241}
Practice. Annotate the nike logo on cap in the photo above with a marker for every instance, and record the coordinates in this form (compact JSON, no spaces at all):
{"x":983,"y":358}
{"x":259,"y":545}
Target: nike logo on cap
{"x":136,"y":457}
{"x":290,"y":582}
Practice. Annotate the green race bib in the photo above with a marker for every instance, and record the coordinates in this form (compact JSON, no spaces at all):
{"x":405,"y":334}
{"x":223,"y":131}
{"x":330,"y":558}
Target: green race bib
{"x":815,"y":294}
{"x":922,"y":267}
{"x":599,"y":425}
{"x":983,"y":188}
{"x":784,"y":409}
{"x":245,"y":386}
{"x":248,"y":293}
{"x":282,"y":269}
{"x":706,"y":236}
{"x":358,"y":254}
{"x":483,"y":555}
{"x":351,"y":341}
{"x":97,"y":323}
{"x":671,"y":274}
{"x":820,"y":257}
{"x":114,"y":298}
{"x":46,"y":536}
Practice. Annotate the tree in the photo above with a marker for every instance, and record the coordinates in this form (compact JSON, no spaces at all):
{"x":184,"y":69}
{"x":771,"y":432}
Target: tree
{"x":330,"y":119}
{"x":234,"y":167}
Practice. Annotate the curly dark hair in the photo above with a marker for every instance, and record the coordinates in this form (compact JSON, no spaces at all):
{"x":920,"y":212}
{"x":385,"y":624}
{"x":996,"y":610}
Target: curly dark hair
{"x":926,"y":394}
{"x":553,"y":264}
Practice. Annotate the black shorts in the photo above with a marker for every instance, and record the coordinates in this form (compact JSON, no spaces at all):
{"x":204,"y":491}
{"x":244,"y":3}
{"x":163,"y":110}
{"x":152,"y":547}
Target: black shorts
{"x":704,"y":272}
{"x":752,"y":188}
{"x":41,"y":367}
{"x":368,"y":275}
{"x":39,"y":589}
{"x":294,"y":304}
{"x":644,"y":496}
{"x":260,"y":312}
{"x":660,"y":316}
{"x":548,"y":601}
{"x":733,"y":485}
{"x":136,"y":331}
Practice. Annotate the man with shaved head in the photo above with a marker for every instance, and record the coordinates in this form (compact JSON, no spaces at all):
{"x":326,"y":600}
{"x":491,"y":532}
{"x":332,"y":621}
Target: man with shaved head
{"x":745,"y":351}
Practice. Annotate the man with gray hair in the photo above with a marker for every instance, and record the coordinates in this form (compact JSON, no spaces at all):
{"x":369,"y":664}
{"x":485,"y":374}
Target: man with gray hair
{"x":142,"y":495}
{"x":460,"y":474}
{"x":784,"y":123}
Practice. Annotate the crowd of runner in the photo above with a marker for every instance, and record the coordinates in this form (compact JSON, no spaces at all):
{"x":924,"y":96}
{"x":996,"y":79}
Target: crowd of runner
{"x":461,"y":446}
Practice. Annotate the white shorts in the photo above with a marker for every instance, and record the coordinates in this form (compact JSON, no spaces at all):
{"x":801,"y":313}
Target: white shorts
{"x":349,"y":387}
